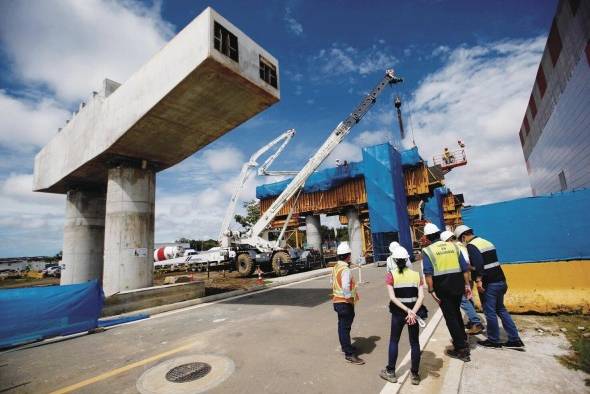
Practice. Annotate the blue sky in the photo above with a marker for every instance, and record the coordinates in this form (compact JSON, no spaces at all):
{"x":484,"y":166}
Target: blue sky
{"x":468,"y":66}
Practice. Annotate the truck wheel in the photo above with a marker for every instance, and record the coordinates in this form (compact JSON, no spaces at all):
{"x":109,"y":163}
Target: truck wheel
{"x":281,"y":263}
{"x":244,"y":264}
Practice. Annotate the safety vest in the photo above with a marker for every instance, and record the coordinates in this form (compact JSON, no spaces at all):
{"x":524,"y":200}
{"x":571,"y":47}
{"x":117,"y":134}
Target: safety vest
{"x":447,"y":275}
{"x":444,"y":257}
{"x":337,"y":291}
{"x":463,"y":250}
{"x":492,"y":272}
{"x":405,"y":286}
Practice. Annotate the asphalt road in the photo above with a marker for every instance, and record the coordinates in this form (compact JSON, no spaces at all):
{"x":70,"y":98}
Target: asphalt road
{"x":281,"y":341}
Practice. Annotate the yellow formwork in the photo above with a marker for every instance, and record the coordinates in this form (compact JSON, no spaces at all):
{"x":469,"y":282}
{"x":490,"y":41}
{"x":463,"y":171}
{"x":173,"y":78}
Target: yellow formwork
{"x":552,"y":287}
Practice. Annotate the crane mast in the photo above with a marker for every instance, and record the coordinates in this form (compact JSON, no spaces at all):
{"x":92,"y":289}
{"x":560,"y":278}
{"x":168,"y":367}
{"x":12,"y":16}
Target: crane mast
{"x":253,"y":235}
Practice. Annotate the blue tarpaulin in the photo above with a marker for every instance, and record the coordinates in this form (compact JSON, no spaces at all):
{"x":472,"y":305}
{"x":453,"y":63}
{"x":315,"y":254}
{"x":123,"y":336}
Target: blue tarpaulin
{"x":386,"y":197}
{"x":323,"y":180}
{"x":433,"y":209}
{"x":35,"y":313}
{"x":544,"y":228}
{"x":411,"y":157}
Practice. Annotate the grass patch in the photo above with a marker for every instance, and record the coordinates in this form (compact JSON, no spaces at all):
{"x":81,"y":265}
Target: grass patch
{"x":580,"y":356}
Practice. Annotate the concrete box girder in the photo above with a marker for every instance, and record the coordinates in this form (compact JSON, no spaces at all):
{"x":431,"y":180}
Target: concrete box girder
{"x":185,"y":97}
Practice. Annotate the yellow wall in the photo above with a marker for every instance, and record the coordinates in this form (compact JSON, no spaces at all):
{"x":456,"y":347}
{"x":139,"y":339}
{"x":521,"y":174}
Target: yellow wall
{"x":554,"y":287}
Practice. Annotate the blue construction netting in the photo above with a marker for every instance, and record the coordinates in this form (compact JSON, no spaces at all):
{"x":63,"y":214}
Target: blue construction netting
{"x":386,"y":197}
{"x":433,"y":209}
{"x":545,"y":228}
{"x":411,"y":157}
{"x":323,"y":180}
{"x":36,"y":313}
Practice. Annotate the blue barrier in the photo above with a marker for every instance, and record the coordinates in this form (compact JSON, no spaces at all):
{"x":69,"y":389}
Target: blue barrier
{"x":35,"y":313}
{"x":433,"y":209}
{"x":544,"y":228}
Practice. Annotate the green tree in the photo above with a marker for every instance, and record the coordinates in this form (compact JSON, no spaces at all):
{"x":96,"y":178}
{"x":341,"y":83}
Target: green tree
{"x":252,"y":214}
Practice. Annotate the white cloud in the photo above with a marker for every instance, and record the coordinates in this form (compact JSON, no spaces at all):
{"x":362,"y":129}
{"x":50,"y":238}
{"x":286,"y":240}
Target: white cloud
{"x":479,"y":96}
{"x":224,"y":159}
{"x":342,"y":59}
{"x":26,"y":124}
{"x":352,"y":151}
{"x":70,"y":46}
{"x":292,"y":24}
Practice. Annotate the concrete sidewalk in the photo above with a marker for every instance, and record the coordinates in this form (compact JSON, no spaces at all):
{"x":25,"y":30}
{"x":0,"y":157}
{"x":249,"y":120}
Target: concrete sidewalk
{"x":505,"y":371}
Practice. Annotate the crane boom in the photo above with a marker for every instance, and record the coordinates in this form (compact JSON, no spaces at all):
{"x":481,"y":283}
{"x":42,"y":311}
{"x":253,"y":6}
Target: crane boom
{"x":337,"y":135}
{"x":243,"y":178}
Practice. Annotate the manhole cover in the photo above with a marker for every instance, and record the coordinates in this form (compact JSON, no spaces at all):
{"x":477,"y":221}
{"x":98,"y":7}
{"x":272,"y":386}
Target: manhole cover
{"x":188,"y":372}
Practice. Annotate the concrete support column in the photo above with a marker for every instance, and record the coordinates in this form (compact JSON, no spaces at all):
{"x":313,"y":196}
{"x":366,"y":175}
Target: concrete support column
{"x":83,"y":237}
{"x":313,"y":232}
{"x":354,"y":234}
{"x":129,"y":229}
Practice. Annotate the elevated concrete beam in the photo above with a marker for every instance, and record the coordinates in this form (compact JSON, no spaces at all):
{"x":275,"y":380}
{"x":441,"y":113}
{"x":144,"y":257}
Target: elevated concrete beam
{"x":185,"y":97}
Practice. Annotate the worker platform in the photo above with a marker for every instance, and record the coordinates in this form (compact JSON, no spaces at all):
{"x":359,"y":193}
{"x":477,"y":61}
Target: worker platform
{"x":206,"y":81}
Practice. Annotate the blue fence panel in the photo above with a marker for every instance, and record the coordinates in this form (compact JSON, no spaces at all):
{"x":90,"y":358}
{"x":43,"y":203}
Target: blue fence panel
{"x":35,"y":313}
{"x":544,"y":228}
{"x":386,"y":197}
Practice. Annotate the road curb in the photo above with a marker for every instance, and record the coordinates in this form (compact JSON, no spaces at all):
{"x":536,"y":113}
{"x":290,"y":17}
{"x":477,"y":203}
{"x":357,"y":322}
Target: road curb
{"x":394,"y":388}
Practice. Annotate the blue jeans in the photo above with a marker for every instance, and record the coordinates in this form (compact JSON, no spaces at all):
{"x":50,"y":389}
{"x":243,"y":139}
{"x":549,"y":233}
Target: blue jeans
{"x":345,"y":313}
{"x":493,"y":306}
{"x":469,"y":309}
{"x":398,"y":322}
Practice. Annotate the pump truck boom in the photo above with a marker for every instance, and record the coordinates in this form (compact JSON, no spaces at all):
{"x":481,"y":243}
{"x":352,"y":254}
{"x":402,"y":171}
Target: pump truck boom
{"x":245,"y":249}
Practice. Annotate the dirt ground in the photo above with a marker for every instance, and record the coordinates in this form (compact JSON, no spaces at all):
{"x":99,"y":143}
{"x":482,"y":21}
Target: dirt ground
{"x":27,"y":282}
{"x":215,"y":282}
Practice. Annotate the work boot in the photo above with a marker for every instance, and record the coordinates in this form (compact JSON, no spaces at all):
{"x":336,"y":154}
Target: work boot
{"x":415,"y":379}
{"x":518,"y":345}
{"x":489,"y":344}
{"x":388,"y":375}
{"x":461,"y":354}
{"x":475,"y":329}
{"x":355,"y":360}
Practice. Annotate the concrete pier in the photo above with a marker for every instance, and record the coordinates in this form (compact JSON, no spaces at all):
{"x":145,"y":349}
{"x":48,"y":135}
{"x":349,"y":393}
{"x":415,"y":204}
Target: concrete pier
{"x":83,"y":237}
{"x":129,"y":228}
{"x":354,"y":234}
{"x":313,"y":232}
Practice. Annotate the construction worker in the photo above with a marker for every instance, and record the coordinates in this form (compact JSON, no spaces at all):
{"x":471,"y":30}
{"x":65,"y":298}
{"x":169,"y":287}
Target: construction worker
{"x":447,"y":277}
{"x":447,"y":156}
{"x":391,"y":265}
{"x":344,"y":296}
{"x":491,"y":285}
{"x":406,"y":295}
{"x":474,"y":325}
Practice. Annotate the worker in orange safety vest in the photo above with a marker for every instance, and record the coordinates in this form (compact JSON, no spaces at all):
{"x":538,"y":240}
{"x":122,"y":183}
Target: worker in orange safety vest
{"x":344,"y":296}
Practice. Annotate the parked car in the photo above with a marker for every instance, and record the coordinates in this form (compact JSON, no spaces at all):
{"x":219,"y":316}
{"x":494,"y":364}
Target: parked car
{"x":54,"y":271}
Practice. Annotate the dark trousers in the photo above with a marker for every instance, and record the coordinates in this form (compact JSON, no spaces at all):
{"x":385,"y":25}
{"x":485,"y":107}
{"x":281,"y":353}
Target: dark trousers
{"x":450,"y":304}
{"x":398,"y":321}
{"x":493,"y":306}
{"x":345,"y":313}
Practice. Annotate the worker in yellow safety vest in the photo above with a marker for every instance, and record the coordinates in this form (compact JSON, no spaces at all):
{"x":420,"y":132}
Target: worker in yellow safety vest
{"x":474,"y":325}
{"x":404,"y":287}
{"x":491,"y":285}
{"x":344,"y":296}
{"x":447,"y":277}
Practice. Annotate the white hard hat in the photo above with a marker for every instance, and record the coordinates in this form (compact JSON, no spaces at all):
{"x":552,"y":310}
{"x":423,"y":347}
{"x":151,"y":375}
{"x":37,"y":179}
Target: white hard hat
{"x":393,"y":246}
{"x":343,"y":248}
{"x":445,"y":235}
{"x":430,"y":228}
{"x":460,"y":230}
{"x":400,"y":253}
